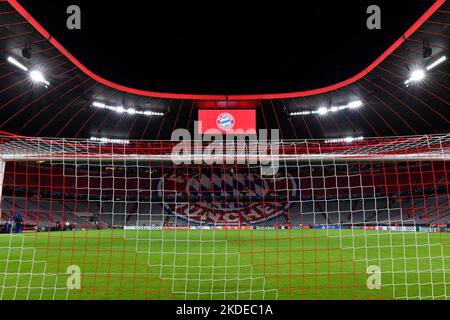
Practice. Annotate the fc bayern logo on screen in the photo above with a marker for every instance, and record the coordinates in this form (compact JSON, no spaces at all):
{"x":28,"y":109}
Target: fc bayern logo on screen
{"x":225,"y":121}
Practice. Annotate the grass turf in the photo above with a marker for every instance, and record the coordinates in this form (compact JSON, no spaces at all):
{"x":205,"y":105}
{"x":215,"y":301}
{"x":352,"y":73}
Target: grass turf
{"x":257,"y":264}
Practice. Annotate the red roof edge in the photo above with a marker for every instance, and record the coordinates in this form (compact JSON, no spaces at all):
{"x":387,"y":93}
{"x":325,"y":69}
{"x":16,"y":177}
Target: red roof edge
{"x":21,"y":10}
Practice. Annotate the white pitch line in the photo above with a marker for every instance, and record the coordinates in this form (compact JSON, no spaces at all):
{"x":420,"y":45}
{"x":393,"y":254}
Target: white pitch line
{"x":245,"y":274}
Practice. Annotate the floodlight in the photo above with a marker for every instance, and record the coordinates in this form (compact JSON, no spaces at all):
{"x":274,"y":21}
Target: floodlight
{"x":417,"y":75}
{"x":436,"y":63}
{"x":38,"y":77}
{"x":355,"y":104}
{"x":17,"y":63}
{"x":322,"y":111}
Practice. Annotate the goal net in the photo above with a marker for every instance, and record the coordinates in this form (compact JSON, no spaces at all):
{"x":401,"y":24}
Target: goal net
{"x":84,"y":219}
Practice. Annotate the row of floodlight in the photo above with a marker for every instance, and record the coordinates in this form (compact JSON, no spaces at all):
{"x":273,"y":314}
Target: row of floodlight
{"x":125,"y":142}
{"x":110,"y":141}
{"x":38,"y":77}
{"x":122,"y":109}
{"x":420,"y":74}
{"x":35,"y":75}
{"x":344,"y":140}
{"x":324,"y":110}
{"x":416,"y":76}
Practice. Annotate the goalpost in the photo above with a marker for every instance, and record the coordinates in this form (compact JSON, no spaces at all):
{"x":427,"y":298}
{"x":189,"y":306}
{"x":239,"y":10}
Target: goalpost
{"x":335,"y":219}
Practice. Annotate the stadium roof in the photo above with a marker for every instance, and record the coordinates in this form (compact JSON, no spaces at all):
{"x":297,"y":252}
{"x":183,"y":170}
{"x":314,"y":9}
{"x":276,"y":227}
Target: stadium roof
{"x":63,"y":107}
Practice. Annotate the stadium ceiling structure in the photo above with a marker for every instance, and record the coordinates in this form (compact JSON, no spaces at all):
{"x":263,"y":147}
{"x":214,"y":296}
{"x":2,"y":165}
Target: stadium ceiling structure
{"x":403,"y":92}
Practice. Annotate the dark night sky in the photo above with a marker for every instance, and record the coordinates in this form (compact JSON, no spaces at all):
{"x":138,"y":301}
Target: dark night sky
{"x":225,"y":47}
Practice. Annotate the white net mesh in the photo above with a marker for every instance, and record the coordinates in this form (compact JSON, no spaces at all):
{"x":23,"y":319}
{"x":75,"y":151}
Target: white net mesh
{"x":367,"y":220}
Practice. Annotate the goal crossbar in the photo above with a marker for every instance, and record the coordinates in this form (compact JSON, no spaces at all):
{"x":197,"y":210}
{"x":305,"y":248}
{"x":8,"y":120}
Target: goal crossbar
{"x":416,"y":148}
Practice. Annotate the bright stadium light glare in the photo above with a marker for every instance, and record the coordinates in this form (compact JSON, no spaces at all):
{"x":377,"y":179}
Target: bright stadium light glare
{"x":420,"y":74}
{"x":131,"y":111}
{"x":417,"y":75}
{"x":349,"y":139}
{"x":120,"y":109}
{"x":17,"y":63}
{"x":38,"y":77}
{"x":322,"y":111}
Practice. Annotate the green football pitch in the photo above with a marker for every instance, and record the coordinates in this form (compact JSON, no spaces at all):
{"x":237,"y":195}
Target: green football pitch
{"x":195,"y":264}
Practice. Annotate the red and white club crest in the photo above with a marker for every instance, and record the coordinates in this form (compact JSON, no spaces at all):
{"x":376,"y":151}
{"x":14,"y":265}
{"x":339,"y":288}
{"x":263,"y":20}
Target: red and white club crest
{"x":225,"y":121}
{"x":200,"y":198}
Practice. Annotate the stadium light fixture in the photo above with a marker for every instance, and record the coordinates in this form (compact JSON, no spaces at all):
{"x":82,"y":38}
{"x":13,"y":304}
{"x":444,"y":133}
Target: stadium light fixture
{"x":300,"y":113}
{"x":427,"y":51}
{"x":416,"y":75}
{"x":110,"y":141}
{"x":436,"y":63}
{"x":122,"y":109}
{"x":324,"y":110}
{"x":99,"y":105}
{"x":355,"y":104}
{"x":151,"y":113}
{"x":131,"y":111}
{"x":420,"y":74}
{"x":344,"y":140}
{"x":35,"y":75}
{"x":38,"y":77}
{"x":17,"y":64}
{"x":27,"y":51}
